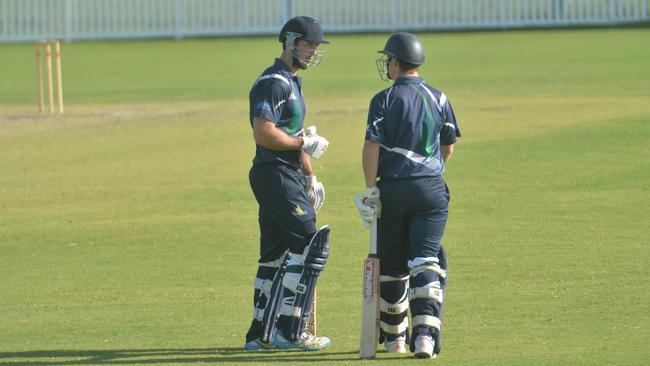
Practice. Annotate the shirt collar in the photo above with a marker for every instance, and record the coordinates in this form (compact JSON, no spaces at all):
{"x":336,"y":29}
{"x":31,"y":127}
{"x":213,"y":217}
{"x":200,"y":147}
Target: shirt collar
{"x":284,"y":69}
{"x":279,"y":64}
{"x":408,"y":80}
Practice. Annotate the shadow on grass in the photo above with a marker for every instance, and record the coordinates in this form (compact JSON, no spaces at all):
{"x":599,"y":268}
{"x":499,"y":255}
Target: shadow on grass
{"x":165,"y":356}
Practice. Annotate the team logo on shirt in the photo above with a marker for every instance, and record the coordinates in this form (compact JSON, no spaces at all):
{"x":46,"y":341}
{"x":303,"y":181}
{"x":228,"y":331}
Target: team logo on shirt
{"x":298,"y":211}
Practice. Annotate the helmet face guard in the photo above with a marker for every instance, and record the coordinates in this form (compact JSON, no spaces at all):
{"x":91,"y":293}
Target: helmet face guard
{"x":290,"y":44}
{"x":382,"y":66}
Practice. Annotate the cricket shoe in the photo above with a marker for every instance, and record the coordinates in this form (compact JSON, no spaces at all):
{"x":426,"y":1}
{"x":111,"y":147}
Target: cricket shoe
{"x":307,"y":342}
{"x":424,"y":347}
{"x":258,"y":345}
{"x":396,"y":346}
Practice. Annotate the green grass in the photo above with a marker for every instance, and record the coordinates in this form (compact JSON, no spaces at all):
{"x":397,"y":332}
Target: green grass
{"x":128,"y":232}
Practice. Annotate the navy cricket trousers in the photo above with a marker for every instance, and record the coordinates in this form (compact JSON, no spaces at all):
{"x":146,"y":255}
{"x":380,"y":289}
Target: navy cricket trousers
{"x":413,"y":218}
{"x":286,"y":218}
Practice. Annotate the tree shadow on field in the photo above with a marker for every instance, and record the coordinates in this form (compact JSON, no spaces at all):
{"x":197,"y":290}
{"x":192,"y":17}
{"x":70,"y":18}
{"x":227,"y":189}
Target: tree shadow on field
{"x":166,"y":356}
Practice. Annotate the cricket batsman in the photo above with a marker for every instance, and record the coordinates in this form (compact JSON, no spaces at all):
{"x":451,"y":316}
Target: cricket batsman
{"x":292,"y":251}
{"x":410,"y":135}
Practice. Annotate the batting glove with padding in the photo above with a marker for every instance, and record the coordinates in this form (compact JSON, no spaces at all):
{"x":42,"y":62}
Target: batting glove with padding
{"x":369,"y":205}
{"x":313,"y":144}
{"x":315,"y":192}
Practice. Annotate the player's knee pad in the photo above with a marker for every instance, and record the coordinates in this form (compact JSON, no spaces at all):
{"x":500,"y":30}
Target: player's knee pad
{"x":299,"y":283}
{"x":426,"y":293}
{"x":393,"y":307}
{"x":268,"y":291}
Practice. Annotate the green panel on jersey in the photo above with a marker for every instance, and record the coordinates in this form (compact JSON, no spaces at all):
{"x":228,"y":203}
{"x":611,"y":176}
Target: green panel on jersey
{"x":428,"y":124}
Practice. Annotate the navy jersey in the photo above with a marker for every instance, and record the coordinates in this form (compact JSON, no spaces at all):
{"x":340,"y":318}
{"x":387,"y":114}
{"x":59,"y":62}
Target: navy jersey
{"x":277,"y":96}
{"x":411,"y":120}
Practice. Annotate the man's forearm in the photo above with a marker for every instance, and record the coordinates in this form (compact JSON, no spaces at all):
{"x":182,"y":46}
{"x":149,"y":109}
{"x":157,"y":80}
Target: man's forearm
{"x":270,"y":137}
{"x":446,"y":151}
{"x":370,"y":161}
{"x":305,"y":162}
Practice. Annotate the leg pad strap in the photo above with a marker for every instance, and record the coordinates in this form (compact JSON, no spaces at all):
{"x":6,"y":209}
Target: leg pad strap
{"x":395,"y":329}
{"x":430,"y":291}
{"x":429,"y":320}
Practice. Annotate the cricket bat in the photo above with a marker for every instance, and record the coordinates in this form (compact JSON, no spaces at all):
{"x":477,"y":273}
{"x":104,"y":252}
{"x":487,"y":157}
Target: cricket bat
{"x":311,"y":325}
{"x":370,"y":300}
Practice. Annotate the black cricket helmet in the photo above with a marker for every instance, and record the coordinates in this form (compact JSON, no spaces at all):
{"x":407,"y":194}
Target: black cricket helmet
{"x":302,"y":28}
{"x":405,"y":47}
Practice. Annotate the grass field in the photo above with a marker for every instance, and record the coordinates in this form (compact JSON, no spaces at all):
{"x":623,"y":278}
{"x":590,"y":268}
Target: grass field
{"x":128,"y":232}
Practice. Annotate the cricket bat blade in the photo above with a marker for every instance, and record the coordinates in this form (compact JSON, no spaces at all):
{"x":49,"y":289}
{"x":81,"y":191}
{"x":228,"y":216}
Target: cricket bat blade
{"x":370,"y":300}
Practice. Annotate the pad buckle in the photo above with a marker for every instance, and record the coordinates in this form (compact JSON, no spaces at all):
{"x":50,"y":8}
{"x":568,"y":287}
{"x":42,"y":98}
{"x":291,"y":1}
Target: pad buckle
{"x":301,"y":288}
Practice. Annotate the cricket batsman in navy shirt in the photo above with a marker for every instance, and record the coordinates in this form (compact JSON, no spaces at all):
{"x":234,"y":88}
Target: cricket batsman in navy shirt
{"x":410,"y":135}
{"x":292,"y":251}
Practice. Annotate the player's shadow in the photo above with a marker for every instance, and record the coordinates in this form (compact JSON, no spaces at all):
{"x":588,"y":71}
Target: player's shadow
{"x":165,"y":356}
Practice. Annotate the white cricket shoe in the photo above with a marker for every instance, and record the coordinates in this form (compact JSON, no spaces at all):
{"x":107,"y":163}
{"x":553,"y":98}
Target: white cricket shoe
{"x":424,"y":347}
{"x":307,"y":342}
{"x":396,"y":346}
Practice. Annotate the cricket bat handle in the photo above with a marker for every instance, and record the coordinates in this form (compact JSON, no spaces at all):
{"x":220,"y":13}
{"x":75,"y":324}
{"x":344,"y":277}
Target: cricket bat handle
{"x":372,"y":250}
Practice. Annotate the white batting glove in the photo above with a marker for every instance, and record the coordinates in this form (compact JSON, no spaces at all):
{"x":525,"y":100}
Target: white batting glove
{"x":310,"y":131}
{"x":369,"y":205}
{"x":366,"y":212}
{"x":315,"y":192}
{"x":313,"y":144}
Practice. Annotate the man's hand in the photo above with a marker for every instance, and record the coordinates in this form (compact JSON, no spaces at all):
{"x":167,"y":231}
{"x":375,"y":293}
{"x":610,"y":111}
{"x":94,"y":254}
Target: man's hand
{"x":315,"y":192}
{"x":313,"y":144}
{"x":369,"y":205}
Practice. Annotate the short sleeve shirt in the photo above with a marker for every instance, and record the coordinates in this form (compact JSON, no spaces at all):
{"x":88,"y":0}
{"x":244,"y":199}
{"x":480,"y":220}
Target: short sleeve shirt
{"x":276,"y":96}
{"x":410,"y":120}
